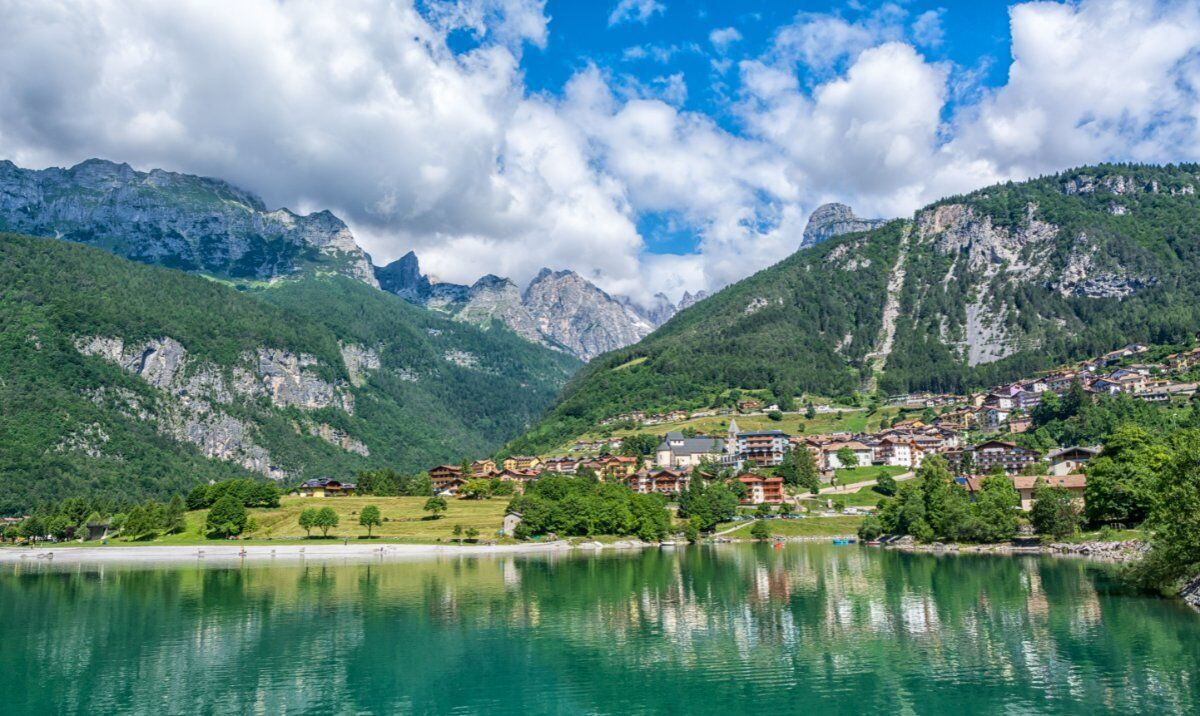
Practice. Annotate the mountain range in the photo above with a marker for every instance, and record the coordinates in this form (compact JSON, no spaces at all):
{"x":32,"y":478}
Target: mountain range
{"x":559,"y":309}
{"x":970,"y":291}
{"x":209,"y":226}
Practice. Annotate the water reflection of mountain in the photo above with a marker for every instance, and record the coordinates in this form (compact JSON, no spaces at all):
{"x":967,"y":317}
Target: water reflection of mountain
{"x":698,"y":630}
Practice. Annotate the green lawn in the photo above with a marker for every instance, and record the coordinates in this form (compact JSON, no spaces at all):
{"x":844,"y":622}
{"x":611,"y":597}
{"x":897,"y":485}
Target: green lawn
{"x":810,"y":527}
{"x":847,"y":420}
{"x":405,"y":521}
{"x":851,"y":475}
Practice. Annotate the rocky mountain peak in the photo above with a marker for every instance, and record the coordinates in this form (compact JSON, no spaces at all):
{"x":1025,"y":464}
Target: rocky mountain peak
{"x":183,"y":221}
{"x":833,"y":219}
{"x":559,"y":308}
{"x":403,"y":277}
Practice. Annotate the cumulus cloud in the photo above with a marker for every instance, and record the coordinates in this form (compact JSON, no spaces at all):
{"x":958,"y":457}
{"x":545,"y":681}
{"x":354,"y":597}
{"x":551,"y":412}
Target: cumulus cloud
{"x":723,"y":37}
{"x":635,"y":11}
{"x":365,"y":109}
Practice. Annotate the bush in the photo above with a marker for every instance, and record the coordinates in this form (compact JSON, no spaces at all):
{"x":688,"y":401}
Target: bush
{"x":227,"y":517}
{"x":870,"y":529}
{"x":775,"y":415}
{"x":760,"y":531}
{"x":1055,"y":512}
{"x":885,"y":484}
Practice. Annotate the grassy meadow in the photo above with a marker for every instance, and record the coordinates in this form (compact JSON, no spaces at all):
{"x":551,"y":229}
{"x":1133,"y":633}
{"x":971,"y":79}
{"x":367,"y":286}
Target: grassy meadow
{"x":404,"y":521}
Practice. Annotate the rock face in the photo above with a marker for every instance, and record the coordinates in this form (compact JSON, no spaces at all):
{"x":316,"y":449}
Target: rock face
{"x":560,"y":309}
{"x":403,"y":278}
{"x":177,"y":220}
{"x":829,"y":220}
{"x":197,"y":396}
{"x":574,"y":313}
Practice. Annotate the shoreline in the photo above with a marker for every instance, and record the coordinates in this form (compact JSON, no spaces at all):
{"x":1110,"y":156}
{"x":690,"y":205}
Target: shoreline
{"x":221,"y":553}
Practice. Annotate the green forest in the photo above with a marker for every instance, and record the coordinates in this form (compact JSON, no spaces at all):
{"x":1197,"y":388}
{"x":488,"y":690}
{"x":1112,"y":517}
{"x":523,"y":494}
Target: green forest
{"x":77,"y":425}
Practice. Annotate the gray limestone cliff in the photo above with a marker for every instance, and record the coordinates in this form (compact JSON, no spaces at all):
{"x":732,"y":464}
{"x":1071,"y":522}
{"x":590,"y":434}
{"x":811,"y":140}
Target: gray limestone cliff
{"x":559,"y":309}
{"x":177,"y":220}
{"x":576,"y":314}
{"x":829,"y":220}
{"x":199,"y":401}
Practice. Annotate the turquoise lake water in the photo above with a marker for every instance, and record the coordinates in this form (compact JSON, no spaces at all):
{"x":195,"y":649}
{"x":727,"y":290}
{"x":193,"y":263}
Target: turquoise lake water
{"x":810,"y":628}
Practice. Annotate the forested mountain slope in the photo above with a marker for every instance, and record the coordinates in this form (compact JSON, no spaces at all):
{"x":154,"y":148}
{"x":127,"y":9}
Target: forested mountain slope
{"x":134,"y":380}
{"x":973,"y":290}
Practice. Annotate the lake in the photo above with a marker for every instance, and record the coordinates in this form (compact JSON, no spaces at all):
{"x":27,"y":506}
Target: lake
{"x":810,"y":628}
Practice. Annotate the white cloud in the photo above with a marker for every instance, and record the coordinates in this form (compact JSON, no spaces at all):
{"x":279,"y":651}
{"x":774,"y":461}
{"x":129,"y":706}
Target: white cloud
{"x":723,"y":37}
{"x":363,"y":108}
{"x":635,"y":11}
{"x":927,"y":28}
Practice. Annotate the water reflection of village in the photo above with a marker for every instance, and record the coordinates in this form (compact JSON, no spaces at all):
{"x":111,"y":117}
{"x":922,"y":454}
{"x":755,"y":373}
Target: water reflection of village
{"x":729,"y":622}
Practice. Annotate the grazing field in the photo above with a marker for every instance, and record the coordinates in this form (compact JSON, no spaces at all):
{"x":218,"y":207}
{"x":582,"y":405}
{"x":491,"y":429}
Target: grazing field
{"x":404,"y":520}
{"x":848,"y":420}
{"x":810,"y":527}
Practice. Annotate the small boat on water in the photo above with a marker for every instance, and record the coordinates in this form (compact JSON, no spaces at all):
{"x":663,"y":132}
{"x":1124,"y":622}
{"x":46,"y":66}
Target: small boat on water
{"x":843,"y":540}
{"x":873,"y":543}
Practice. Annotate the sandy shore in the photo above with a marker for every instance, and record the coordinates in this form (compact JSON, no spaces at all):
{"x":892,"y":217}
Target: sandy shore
{"x":68,"y":554}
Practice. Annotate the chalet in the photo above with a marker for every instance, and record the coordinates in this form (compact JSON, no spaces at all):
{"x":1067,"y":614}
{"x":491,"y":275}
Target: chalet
{"x":483,"y":467}
{"x":1002,"y":400}
{"x":562,"y":465}
{"x":985,"y":457}
{"x":519,"y":478}
{"x":1027,"y":400}
{"x":678,"y":451}
{"x":1126,"y":382}
{"x":325,"y":487}
{"x":446,"y":479}
{"x":761,"y":489}
{"x":863,"y":455}
{"x":1070,"y":460}
{"x":1164,"y":391}
{"x":617,"y":467}
{"x":1027,"y":486}
{"x":522,"y":462}
{"x":994,"y":417}
{"x":1061,"y":381}
{"x":899,"y":452}
{"x":663,"y":482}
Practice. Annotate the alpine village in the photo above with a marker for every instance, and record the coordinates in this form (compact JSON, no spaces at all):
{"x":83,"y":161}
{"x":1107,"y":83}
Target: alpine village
{"x":1043,"y":397}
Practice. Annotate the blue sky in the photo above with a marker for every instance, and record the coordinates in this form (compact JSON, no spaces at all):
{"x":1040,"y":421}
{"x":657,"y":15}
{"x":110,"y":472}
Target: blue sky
{"x":975,"y":35}
{"x":650,"y":145}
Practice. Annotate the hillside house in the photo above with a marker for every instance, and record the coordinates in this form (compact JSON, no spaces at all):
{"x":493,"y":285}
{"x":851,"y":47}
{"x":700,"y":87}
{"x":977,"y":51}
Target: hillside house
{"x":1027,"y":485}
{"x":446,"y":479}
{"x":761,"y":489}
{"x":762,"y":447}
{"x":522,"y":462}
{"x":562,"y":465}
{"x":1070,"y":460}
{"x":863,"y":455}
{"x":676,"y":451}
{"x":483,"y":467}
{"x":986,"y":456}
{"x":325,"y":487}
{"x":899,"y":452}
{"x":663,"y":482}
{"x":617,"y":467}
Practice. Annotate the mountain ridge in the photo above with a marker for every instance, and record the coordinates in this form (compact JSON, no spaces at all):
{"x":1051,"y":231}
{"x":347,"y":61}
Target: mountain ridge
{"x":978,"y":288}
{"x":129,"y":379}
{"x":558,"y":308}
